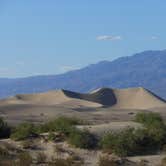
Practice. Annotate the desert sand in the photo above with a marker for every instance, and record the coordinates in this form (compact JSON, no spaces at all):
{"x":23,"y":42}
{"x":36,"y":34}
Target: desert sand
{"x":101,"y":106}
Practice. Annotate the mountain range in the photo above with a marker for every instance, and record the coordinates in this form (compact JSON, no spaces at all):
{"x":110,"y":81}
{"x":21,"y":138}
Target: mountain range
{"x":146,"y":69}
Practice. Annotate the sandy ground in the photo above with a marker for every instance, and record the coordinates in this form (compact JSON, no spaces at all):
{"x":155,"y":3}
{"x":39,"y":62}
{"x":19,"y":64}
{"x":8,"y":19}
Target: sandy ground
{"x":101,"y":106}
{"x":102,"y":129}
{"x":104,"y":109}
{"x":90,"y":157}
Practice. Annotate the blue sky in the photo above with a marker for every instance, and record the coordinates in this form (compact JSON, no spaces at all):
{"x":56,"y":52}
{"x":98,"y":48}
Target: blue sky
{"x":54,"y":36}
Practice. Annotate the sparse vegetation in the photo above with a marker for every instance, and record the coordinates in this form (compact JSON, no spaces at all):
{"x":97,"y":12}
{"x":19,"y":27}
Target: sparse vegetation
{"x":51,"y":136}
{"x":24,"y":131}
{"x":137,"y":141}
{"x":122,"y":143}
{"x":62,"y":124}
{"x":149,"y":119}
{"x":82,"y":139}
{"x":155,"y":126}
{"x":66,"y":126}
{"x":128,"y":142}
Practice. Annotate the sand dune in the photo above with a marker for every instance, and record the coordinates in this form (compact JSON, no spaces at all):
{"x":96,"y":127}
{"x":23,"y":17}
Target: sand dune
{"x":131,"y":98}
{"x":137,"y":98}
{"x":58,"y":97}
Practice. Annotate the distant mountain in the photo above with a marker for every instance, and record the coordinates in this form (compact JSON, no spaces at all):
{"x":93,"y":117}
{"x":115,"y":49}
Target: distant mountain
{"x":146,"y":69}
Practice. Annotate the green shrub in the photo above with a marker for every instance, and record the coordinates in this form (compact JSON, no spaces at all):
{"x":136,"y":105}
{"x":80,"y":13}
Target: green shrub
{"x":82,"y":139}
{"x":129,"y":142}
{"x":51,"y":136}
{"x":122,"y":143}
{"x":149,"y":119}
{"x":135,"y":141}
{"x":4,"y":129}
{"x":24,"y":131}
{"x":62,"y":124}
{"x":155,"y":126}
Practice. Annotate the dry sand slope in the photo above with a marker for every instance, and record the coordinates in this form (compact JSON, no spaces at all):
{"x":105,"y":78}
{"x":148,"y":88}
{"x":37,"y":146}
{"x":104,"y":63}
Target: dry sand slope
{"x":51,"y":98}
{"x":131,"y":98}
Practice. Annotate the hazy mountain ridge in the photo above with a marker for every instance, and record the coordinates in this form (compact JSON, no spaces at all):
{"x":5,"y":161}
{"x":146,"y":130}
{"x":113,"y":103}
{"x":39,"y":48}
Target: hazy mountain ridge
{"x":147,"y":69}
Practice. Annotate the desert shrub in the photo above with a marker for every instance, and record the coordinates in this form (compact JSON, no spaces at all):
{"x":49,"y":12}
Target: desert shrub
{"x":56,"y":137}
{"x":41,"y":158}
{"x":130,"y":142}
{"x":24,"y":131}
{"x":51,"y":136}
{"x":145,"y":143}
{"x":25,"y":159}
{"x":122,"y":143}
{"x":61,"y":124}
{"x":82,"y":139}
{"x":4,"y":129}
{"x":155,"y":126}
{"x":149,"y":119}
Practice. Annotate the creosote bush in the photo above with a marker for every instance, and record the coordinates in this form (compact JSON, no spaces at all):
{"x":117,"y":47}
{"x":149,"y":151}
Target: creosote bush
{"x":137,"y":141}
{"x":82,"y":139}
{"x":122,"y":143}
{"x":24,"y":131}
{"x":155,"y":126}
{"x":62,"y":124}
{"x":149,"y":119}
{"x":51,"y":136}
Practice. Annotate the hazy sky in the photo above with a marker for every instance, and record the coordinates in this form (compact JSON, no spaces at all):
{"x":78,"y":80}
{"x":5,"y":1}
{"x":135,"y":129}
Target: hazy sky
{"x":54,"y":36}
